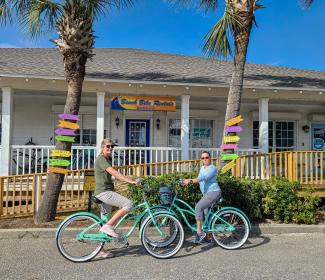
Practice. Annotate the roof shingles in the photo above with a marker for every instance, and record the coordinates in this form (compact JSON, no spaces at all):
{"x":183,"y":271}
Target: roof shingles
{"x":141,"y":65}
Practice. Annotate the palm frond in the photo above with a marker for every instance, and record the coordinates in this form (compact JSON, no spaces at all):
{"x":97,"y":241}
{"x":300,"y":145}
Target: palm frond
{"x":217,"y":41}
{"x":38,"y":16}
{"x":306,"y":3}
{"x":206,"y":5}
{"x":6,"y":11}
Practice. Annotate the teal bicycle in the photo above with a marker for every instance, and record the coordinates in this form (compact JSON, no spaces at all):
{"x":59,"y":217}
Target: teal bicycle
{"x":229,"y":226}
{"x":78,"y":237}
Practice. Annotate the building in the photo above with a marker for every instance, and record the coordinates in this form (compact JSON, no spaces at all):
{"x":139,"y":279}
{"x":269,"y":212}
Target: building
{"x":283,"y":108}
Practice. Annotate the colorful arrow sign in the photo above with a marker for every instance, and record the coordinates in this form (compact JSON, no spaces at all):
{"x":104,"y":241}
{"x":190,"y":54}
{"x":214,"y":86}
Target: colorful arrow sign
{"x":233,"y":121}
{"x":60,"y":153}
{"x":69,"y":117}
{"x":229,"y":156}
{"x":65,"y":138}
{"x":59,"y":162}
{"x":65,"y":124}
{"x":57,"y":170}
{"x":228,"y":166}
{"x":231,"y":139}
{"x":236,"y":128}
{"x":229,"y":146}
{"x":65,"y":131}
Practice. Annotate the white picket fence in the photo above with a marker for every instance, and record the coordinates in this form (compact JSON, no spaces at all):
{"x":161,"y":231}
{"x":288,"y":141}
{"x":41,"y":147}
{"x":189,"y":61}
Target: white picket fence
{"x":26,"y":159}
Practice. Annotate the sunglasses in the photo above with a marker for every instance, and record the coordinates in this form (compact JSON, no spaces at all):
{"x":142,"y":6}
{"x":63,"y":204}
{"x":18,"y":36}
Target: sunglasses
{"x":204,"y":157}
{"x":110,"y":146}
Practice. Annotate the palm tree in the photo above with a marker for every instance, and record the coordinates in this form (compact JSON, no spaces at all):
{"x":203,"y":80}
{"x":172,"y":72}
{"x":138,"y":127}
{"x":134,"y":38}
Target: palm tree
{"x":230,"y":36}
{"x":73,"y":20}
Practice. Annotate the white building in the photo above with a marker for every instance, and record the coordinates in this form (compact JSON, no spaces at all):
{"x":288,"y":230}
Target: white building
{"x":288,"y":103}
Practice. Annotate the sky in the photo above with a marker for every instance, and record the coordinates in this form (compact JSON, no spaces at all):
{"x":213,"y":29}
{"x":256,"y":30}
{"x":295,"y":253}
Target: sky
{"x":286,"y":35}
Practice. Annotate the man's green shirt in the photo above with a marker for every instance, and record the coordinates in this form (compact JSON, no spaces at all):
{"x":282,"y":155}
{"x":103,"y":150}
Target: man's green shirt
{"x":102,"y":178}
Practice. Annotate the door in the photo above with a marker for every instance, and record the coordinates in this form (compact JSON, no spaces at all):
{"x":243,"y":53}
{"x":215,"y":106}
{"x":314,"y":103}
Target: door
{"x":137,"y":135}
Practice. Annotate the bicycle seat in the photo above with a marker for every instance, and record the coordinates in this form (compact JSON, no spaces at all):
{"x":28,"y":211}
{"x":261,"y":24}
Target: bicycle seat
{"x":96,"y":200}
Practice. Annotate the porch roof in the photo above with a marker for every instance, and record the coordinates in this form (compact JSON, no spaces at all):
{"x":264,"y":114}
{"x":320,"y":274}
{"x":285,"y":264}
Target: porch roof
{"x":148,"y":66}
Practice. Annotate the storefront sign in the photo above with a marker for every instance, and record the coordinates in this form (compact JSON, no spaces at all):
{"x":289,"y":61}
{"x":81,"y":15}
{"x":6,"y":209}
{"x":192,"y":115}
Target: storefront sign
{"x":144,"y":103}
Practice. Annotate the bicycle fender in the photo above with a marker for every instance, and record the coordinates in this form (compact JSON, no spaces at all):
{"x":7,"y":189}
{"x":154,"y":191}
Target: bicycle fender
{"x":170,"y":212}
{"x":231,"y":208}
{"x":74,"y":215}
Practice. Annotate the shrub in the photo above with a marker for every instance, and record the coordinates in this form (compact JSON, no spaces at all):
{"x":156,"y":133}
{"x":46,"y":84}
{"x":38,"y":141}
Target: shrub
{"x":276,"y":198}
{"x":282,"y":203}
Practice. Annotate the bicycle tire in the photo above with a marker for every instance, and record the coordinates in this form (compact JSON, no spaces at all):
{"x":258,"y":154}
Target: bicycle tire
{"x":168,"y":245}
{"x":62,"y":230}
{"x":227,"y":238}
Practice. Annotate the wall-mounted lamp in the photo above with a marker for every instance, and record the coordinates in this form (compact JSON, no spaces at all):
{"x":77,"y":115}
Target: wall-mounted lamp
{"x":305,"y":128}
{"x":158,"y":123}
{"x":117,"y":121}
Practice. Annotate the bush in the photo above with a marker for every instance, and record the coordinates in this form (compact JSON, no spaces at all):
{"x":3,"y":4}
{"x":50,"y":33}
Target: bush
{"x":276,"y":199}
{"x":282,"y":203}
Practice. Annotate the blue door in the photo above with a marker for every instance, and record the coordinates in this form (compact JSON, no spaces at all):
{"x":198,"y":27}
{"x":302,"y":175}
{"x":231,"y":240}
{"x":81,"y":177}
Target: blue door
{"x":137,"y":134}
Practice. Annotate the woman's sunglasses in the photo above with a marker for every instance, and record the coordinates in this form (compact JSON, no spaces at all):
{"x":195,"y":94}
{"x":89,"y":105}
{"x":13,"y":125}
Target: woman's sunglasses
{"x":110,"y":146}
{"x":204,"y":157}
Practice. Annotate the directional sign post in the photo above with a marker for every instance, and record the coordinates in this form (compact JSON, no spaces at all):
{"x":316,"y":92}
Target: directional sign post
{"x":234,"y":121}
{"x":231,"y":139}
{"x":228,"y":166}
{"x":229,"y":156}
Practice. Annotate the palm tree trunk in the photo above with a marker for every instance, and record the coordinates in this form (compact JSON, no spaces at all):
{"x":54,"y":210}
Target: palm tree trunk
{"x":241,"y":39}
{"x":75,"y":67}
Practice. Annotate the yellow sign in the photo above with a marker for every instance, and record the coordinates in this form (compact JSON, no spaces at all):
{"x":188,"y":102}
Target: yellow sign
{"x":143,"y":103}
{"x":89,"y":181}
{"x":228,"y":166}
{"x":65,"y":124}
{"x":57,"y":170}
{"x":231,"y":139}
{"x":60,"y":153}
{"x":233,"y":121}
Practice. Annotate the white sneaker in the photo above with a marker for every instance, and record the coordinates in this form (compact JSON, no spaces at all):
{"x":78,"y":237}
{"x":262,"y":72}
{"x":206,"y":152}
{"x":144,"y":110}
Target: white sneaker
{"x":109,"y":230}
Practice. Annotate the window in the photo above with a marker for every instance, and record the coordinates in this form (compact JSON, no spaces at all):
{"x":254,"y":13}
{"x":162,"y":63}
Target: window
{"x":284,"y":136}
{"x":174,"y":133}
{"x":201,"y":132}
{"x":281,"y":135}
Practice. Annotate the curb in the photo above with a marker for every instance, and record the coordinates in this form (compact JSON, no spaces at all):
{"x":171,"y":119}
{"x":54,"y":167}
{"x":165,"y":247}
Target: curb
{"x":257,"y":230}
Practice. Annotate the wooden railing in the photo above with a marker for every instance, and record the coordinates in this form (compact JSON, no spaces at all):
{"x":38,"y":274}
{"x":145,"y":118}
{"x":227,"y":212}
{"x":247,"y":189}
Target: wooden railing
{"x":306,"y":167}
{"x":21,"y":195}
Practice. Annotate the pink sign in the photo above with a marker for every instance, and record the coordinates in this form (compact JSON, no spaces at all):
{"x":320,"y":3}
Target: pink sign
{"x":229,"y":146}
{"x":65,"y":131}
{"x":235,"y":128}
{"x":69,"y":117}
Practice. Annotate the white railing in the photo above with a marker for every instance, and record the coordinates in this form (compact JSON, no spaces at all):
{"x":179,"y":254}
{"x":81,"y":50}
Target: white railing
{"x":27,"y":159}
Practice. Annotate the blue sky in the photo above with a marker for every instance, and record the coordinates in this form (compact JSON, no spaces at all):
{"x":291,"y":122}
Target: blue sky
{"x":286,"y":34}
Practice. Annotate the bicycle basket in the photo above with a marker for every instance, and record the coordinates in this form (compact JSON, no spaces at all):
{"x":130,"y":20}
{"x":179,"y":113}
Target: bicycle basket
{"x":165,"y":195}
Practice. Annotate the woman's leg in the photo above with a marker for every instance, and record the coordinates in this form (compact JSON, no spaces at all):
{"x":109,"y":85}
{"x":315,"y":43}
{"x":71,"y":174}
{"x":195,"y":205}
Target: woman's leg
{"x":114,"y":199}
{"x":205,"y":202}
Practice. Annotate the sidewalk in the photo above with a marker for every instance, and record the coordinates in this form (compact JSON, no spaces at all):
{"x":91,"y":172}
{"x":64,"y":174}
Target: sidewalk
{"x":257,"y":230}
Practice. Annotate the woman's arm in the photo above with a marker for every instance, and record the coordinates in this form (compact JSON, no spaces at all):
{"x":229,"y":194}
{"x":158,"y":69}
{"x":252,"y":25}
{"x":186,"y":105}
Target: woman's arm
{"x":121,"y":177}
{"x":209,"y":174}
{"x":190,"y":181}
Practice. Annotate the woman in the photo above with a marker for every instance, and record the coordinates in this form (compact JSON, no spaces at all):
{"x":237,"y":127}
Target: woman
{"x":104,"y":189}
{"x":210,"y":189}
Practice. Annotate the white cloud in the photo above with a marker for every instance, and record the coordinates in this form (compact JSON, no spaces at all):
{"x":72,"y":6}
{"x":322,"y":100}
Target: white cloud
{"x":6,"y":45}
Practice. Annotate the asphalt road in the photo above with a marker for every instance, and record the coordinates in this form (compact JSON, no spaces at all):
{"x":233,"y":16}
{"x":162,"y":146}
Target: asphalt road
{"x":290,"y":256}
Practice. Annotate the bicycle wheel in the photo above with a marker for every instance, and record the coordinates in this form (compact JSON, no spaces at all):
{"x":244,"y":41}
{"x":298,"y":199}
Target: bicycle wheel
{"x":165,"y":242}
{"x":76,"y":249}
{"x":233,"y":236}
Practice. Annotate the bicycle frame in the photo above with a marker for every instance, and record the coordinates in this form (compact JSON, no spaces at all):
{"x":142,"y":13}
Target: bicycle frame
{"x":102,"y":237}
{"x":206,"y":225}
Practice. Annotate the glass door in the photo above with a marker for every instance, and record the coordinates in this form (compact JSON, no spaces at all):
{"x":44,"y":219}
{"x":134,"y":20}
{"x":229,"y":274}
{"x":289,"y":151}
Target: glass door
{"x":137,"y":135}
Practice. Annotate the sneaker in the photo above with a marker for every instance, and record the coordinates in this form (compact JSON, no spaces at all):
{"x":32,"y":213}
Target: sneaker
{"x":104,"y":254}
{"x":109,"y":230}
{"x":199,"y":237}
